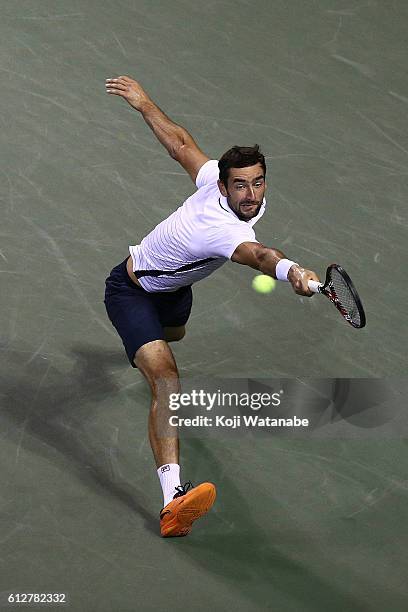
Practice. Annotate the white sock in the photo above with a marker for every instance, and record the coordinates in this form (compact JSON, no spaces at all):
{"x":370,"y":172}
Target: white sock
{"x":169,"y":476}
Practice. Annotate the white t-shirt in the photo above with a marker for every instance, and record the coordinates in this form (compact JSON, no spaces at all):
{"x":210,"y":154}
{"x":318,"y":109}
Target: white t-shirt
{"x":201,"y":235}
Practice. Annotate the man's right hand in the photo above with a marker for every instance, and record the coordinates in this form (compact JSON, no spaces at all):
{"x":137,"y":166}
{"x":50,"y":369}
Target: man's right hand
{"x":299,"y":278}
{"x":130,"y":90}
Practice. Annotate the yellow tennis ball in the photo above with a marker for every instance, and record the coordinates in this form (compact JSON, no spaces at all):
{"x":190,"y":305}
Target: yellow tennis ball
{"x":262,"y":283}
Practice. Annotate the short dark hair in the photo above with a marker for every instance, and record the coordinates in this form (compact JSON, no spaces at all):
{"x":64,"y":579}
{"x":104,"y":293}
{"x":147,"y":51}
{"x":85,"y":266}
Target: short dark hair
{"x":240,"y":157}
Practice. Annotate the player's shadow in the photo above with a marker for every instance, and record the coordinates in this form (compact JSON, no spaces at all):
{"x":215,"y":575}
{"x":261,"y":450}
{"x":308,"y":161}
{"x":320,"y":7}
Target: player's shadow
{"x":39,"y":403}
{"x":348,"y":408}
{"x":356,"y":404}
{"x":255,"y":556}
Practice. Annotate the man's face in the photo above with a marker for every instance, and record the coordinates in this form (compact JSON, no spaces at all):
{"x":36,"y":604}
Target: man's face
{"x":245,"y":190}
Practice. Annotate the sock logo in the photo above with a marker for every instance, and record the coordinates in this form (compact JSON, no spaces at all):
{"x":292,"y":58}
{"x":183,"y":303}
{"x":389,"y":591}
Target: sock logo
{"x":165,"y":468}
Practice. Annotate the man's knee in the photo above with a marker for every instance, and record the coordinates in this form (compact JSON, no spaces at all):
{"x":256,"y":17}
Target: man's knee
{"x":156,"y":362}
{"x":174,"y":334}
{"x":165,"y":381}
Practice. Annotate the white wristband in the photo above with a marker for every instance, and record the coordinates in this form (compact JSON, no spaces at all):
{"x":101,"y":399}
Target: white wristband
{"x":282,"y":268}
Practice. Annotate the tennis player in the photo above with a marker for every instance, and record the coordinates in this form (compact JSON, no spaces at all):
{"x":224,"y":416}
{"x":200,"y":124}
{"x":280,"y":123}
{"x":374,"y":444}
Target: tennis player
{"x":148,"y":296}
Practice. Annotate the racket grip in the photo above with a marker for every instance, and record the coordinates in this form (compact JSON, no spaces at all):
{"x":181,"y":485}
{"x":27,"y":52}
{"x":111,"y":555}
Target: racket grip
{"x":314,"y":286}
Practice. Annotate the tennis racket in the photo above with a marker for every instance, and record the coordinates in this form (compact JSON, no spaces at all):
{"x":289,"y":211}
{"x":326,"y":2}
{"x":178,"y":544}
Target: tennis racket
{"x":342,"y":293}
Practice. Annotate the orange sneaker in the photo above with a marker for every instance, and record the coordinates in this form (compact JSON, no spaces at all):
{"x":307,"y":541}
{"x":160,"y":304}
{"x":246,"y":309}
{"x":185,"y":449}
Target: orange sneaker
{"x":188,"y":504}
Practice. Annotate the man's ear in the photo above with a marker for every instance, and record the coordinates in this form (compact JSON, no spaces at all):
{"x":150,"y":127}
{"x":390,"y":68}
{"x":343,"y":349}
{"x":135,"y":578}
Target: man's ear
{"x":222,"y":189}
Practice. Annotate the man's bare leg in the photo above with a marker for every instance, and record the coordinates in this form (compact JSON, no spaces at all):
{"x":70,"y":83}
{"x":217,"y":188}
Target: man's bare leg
{"x":156,"y":362}
{"x":174,"y":334}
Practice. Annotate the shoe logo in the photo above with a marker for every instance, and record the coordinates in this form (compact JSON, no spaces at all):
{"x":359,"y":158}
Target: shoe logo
{"x":165,"y":468}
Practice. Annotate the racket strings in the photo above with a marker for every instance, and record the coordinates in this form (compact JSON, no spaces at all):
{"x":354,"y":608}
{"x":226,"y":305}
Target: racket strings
{"x":343,"y":297}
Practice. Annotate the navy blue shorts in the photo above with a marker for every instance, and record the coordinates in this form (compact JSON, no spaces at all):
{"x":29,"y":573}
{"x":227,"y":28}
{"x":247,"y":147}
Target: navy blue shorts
{"x":139,"y":316}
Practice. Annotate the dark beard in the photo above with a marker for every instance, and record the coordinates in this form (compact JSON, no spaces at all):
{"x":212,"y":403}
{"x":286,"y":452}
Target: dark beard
{"x":242,"y":217}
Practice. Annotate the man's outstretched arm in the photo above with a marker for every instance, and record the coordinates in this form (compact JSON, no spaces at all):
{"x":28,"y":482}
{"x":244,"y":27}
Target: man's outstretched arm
{"x":264,"y":259}
{"x":178,"y":142}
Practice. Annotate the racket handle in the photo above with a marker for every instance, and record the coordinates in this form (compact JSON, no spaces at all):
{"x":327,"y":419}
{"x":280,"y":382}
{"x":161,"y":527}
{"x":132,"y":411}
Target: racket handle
{"x":314,"y":286}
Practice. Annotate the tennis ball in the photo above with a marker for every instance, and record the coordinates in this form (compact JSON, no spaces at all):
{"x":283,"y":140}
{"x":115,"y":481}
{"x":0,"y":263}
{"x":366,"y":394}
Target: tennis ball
{"x":262,"y":283}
